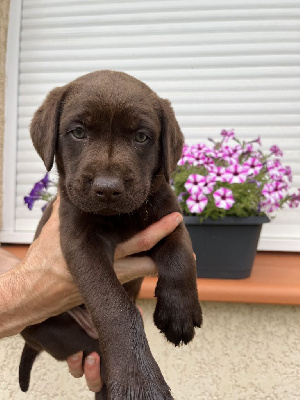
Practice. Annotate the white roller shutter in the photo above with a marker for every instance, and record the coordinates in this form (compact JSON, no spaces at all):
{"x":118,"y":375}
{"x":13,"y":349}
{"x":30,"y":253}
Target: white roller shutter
{"x":222,"y":63}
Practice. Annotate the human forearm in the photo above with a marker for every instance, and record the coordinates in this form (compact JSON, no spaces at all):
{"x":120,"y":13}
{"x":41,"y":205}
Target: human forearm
{"x":28,"y":295}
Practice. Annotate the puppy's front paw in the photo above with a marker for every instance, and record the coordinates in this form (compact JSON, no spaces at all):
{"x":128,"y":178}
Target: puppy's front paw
{"x":177,"y":314}
{"x":140,"y":379}
{"x":137,"y":392}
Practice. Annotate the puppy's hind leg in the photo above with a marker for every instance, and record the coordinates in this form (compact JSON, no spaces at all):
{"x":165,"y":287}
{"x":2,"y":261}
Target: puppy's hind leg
{"x":27,"y":359}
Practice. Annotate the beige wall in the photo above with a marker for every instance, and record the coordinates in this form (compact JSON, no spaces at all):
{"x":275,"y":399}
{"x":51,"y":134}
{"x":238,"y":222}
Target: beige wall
{"x":243,"y":352}
{"x":4,"y":10}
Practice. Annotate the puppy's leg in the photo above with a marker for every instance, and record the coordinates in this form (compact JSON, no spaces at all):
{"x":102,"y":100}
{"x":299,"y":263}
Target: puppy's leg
{"x":178,"y":310}
{"x":131,"y":371}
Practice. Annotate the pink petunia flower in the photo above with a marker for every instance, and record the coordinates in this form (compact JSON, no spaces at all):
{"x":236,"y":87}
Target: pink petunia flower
{"x":248,"y":148}
{"x":295,"y":200}
{"x":274,"y":191}
{"x":208,"y":162}
{"x":253,"y":165}
{"x":198,"y":158}
{"x":186,"y":149}
{"x":199,"y":147}
{"x":269,"y":207}
{"x":227,"y":135}
{"x":193,"y":182}
{"x":275,"y":169}
{"x":217,"y":172}
{"x":208,"y":185}
{"x":224,"y":198}
{"x":258,"y":141}
{"x":276,"y":151}
{"x":185,"y":159}
{"x":256,"y":154}
{"x":288,"y":173}
{"x":196,"y":203}
{"x":200,"y":184}
{"x":236,"y":173}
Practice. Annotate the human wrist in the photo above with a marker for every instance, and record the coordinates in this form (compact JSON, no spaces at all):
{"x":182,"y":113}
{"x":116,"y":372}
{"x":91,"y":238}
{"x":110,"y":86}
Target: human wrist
{"x":52,"y":288}
{"x":12,"y":311}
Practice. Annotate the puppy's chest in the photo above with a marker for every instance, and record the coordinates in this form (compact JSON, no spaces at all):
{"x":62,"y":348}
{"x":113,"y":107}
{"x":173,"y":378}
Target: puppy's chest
{"x":122,"y":228}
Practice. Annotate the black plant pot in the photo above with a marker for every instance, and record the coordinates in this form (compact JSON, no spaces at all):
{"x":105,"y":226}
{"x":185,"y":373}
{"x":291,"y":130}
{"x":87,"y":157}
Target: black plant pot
{"x":225,"y":248}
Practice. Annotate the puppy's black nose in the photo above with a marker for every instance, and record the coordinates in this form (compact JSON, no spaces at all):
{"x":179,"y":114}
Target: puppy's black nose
{"x":108,"y":188}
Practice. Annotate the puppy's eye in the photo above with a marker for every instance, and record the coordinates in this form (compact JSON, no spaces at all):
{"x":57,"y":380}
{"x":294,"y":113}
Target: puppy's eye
{"x":141,"y":137}
{"x":78,"y":133}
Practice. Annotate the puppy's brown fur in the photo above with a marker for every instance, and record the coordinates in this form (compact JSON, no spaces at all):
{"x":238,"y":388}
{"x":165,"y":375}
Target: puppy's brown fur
{"x":115,"y":143}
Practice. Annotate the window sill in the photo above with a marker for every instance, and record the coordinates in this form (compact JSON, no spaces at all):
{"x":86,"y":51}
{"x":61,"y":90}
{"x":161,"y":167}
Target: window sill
{"x":275,"y":279}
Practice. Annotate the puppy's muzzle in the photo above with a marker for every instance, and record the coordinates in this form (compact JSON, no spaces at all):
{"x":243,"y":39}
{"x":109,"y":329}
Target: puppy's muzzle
{"x":108,"y":189}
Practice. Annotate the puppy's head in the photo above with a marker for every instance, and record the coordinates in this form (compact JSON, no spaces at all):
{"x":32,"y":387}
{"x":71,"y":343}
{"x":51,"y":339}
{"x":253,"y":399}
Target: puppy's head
{"x":110,"y":135}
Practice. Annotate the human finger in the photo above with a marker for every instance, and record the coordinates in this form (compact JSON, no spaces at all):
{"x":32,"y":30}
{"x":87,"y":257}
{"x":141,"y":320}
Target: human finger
{"x":92,"y":372}
{"x":129,"y":268}
{"x":147,"y":238}
{"x":75,"y":364}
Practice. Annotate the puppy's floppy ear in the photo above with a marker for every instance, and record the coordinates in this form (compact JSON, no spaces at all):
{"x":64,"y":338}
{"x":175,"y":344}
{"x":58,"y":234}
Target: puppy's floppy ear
{"x":45,"y":124}
{"x":171,"y":139}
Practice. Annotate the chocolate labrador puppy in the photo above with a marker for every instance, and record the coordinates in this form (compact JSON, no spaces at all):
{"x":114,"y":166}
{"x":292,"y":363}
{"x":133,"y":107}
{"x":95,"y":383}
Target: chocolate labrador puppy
{"x":115,"y":143}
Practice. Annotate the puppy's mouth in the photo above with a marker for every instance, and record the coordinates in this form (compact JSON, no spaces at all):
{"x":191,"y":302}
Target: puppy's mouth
{"x":109,"y":203}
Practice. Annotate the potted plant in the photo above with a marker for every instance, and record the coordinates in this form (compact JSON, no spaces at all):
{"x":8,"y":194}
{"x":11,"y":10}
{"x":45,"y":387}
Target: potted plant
{"x":227,"y":190}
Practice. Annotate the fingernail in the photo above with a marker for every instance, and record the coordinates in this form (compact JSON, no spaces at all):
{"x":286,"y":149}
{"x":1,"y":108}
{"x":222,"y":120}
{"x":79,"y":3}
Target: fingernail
{"x":179,"y":219}
{"x":90,"y":360}
{"x":75,"y":357}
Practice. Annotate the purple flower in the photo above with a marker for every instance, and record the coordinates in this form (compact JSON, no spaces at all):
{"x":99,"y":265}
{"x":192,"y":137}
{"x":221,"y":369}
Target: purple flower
{"x":253,"y":165}
{"x":276,"y":151}
{"x":236,"y":174}
{"x":45,"y":181}
{"x":30,"y":200}
{"x":180,"y":196}
{"x":223,"y":198}
{"x":196,"y":203}
{"x":37,"y":192}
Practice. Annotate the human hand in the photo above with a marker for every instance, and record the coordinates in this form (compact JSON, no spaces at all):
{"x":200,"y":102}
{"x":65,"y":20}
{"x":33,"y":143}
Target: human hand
{"x":91,"y":369}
